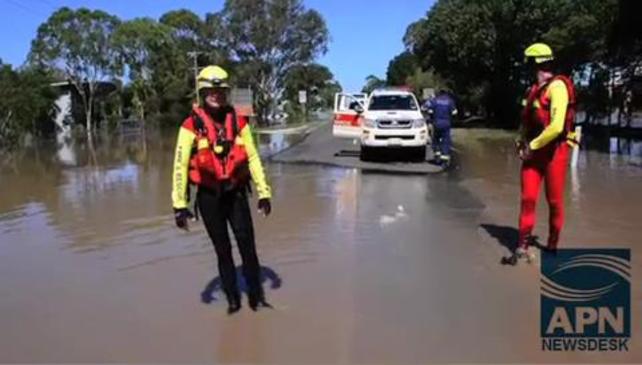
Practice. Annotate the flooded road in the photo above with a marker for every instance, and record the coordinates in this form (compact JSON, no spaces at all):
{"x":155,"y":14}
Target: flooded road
{"x":361,"y":267}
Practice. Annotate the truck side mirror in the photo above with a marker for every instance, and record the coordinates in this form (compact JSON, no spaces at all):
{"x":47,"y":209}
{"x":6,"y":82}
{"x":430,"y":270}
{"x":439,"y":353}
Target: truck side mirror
{"x":358,"y":108}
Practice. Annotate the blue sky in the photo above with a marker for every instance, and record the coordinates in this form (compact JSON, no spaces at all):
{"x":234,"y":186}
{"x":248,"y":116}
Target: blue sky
{"x":365,"y":35}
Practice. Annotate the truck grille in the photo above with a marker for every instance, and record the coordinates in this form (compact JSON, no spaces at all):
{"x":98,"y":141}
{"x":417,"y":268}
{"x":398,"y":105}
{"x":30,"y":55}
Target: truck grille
{"x":395,"y":137}
{"x":394,"y":124}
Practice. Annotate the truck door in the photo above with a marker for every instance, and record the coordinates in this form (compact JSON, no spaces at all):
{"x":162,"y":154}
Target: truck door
{"x":347,"y":121}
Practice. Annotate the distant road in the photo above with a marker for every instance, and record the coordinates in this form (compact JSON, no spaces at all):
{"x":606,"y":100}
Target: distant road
{"x":320,"y":147}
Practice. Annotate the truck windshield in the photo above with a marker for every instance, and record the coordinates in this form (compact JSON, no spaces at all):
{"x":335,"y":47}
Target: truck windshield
{"x":392,"y":102}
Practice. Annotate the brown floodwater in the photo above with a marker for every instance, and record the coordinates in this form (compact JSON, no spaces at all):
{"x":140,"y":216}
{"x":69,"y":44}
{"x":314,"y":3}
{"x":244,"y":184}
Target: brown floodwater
{"x":360,"y":267}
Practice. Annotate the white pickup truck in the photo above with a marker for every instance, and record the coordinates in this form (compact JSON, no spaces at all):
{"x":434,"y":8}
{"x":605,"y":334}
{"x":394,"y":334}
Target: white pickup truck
{"x":387,"y":118}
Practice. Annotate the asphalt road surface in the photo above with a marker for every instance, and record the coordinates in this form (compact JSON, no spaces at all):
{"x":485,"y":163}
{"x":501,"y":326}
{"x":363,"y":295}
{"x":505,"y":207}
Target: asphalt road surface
{"x":320,"y":147}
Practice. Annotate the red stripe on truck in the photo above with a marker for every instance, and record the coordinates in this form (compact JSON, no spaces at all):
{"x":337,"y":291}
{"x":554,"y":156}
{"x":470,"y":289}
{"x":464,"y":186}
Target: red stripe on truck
{"x":347,"y":119}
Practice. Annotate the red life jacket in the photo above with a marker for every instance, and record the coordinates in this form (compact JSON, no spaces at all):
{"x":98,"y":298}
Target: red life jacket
{"x":537,"y":117}
{"x":216,"y":157}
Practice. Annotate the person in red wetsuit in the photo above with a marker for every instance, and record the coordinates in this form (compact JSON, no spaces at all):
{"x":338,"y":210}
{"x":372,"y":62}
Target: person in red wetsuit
{"x":545,"y":135}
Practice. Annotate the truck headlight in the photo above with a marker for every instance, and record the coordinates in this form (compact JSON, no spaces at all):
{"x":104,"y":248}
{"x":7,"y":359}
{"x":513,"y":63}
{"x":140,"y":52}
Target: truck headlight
{"x":418,"y":123}
{"x":368,"y":123}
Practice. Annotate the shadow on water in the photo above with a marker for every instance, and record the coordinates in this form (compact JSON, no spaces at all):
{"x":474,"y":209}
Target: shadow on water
{"x":215,"y":285}
{"x":348,"y":153}
{"x":507,"y":237}
{"x":384,"y":155}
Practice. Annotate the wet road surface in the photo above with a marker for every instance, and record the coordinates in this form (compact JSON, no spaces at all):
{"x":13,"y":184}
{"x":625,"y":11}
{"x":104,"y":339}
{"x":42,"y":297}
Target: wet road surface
{"x":322,"y":148}
{"x":361,"y":267}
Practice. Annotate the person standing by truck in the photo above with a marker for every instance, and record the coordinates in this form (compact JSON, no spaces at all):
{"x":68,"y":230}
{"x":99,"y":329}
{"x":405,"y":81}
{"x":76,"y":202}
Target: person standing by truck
{"x":441,"y":110}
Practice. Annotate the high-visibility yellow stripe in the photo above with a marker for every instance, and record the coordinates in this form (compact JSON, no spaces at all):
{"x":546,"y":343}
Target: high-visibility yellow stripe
{"x":256,"y":167}
{"x":182,"y":153}
{"x":559,"y":103}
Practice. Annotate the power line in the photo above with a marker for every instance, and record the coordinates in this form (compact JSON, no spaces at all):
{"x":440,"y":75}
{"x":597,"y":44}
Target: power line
{"x":23,"y":7}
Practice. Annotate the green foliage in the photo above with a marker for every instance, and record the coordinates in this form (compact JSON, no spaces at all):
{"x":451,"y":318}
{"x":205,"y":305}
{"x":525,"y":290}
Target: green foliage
{"x":185,"y":23}
{"x":79,"y":44}
{"x":400,"y":68}
{"x":326,"y":94}
{"x":139,"y":43}
{"x":478,"y":46}
{"x":404,"y":70}
{"x":267,"y":45}
{"x":191,"y":33}
{"x":420,"y":80}
{"x":372,"y":82}
{"x":267,"y":38}
{"x":26,"y":104}
{"x":156,"y":55}
{"x":315,"y":79}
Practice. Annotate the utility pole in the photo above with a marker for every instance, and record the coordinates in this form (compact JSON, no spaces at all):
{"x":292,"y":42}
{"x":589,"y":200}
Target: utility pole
{"x":194,"y":56}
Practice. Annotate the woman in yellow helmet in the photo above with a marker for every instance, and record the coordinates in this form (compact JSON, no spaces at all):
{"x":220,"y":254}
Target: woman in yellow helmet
{"x":547,"y":119}
{"x":215,"y":151}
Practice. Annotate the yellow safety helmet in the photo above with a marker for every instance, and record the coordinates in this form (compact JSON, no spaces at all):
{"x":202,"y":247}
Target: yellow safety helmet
{"x":212,"y":77}
{"x":539,"y":53}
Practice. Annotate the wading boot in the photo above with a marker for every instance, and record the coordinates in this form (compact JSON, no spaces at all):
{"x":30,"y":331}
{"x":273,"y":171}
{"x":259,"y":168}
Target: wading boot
{"x":256,"y":300}
{"x":233,"y":302}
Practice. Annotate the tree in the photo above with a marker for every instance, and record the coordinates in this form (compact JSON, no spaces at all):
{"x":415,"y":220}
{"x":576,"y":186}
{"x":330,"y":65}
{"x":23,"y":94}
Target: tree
{"x":79,"y":42}
{"x":326,"y":94}
{"x":314,"y":79}
{"x":319,"y":84}
{"x":191,"y":33}
{"x":267,"y":38}
{"x":400,"y":68}
{"x":372,"y":82}
{"x":479,"y":45}
{"x":186,"y":24}
{"x":625,"y":38}
{"x":137,"y":42}
{"x":404,"y":70}
{"x":26,"y":104}
{"x":420,"y":80}
{"x":173,"y":73}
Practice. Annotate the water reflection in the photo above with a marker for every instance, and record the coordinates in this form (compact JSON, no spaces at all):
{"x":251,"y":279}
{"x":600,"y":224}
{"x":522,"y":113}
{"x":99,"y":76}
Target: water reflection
{"x":109,"y":191}
{"x":92,"y":188}
{"x":620,"y":149}
{"x":271,"y":143}
{"x":89,"y":187}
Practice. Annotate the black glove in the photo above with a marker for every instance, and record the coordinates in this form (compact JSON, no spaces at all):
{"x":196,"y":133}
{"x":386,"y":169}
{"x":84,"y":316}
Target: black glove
{"x":181,"y":216}
{"x":265,"y":206}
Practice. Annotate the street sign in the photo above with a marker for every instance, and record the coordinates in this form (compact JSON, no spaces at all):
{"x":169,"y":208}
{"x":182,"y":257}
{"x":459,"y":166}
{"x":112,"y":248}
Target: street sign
{"x":428,"y":93}
{"x":303,"y":97}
